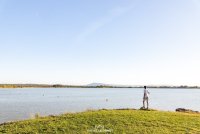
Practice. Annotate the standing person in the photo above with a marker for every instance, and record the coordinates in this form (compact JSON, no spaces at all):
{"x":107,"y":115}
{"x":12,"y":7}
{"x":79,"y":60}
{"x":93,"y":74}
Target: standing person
{"x":146,"y":97}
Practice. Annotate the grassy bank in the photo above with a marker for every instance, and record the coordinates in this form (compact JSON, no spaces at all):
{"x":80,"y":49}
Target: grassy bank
{"x":109,"y":121}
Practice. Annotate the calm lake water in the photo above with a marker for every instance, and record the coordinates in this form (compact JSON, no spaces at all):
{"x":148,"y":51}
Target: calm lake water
{"x":17,"y":104}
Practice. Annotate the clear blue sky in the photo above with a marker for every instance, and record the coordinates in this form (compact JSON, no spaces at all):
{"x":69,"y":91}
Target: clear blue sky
{"x":132,"y":42}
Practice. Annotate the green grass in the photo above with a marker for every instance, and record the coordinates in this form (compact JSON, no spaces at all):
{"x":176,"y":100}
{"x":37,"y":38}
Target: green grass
{"x":114,"y":121}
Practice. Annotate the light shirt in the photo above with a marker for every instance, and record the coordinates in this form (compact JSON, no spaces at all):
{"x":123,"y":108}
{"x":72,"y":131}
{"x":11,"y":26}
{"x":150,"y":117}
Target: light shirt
{"x":146,"y":93}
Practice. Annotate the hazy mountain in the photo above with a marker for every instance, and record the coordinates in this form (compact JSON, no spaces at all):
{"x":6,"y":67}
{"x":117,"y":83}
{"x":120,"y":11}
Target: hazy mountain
{"x":97,"y":84}
{"x":103,"y":84}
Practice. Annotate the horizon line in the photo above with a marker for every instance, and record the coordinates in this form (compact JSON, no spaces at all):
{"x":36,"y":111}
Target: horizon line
{"x":103,"y":84}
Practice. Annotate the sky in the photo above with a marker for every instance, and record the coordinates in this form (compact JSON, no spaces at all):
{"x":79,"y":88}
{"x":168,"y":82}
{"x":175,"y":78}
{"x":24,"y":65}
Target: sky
{"x":128,"y":42}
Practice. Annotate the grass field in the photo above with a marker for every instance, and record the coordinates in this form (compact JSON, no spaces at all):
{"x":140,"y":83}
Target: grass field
{"x":109,"y":121}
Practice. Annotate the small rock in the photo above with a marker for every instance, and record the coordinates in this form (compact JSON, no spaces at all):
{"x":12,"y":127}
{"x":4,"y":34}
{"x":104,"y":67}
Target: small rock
{"x":186,"y":110}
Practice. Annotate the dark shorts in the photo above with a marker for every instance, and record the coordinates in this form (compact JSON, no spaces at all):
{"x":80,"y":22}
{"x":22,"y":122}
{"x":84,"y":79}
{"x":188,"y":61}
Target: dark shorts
{"x":145,"y":98}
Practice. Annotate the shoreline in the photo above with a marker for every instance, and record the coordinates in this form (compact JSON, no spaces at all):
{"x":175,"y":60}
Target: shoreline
{"x":103,"y":87}
{"x":37,"y":115}
{"x":88,"y":86}
{"x":115,"y":120}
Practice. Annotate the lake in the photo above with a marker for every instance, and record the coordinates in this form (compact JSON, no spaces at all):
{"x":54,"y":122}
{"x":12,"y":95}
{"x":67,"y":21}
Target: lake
{"x":18,"y":104}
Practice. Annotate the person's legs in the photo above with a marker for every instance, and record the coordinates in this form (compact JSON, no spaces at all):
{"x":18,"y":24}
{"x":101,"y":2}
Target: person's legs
{"x":147,"y":103}
{"x":143,"y":102}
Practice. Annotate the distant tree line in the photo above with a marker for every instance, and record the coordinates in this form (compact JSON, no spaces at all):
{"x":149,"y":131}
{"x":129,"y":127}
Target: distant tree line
{"x":77,"y":86}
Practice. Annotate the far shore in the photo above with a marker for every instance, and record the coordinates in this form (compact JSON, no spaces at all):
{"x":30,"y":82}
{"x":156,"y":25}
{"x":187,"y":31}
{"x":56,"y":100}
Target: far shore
{"x":85,"y":86}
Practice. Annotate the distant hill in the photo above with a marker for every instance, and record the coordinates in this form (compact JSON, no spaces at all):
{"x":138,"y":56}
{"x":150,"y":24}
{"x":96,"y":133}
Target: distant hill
{"x":97,"y":84}
{"x":108,"y":85}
